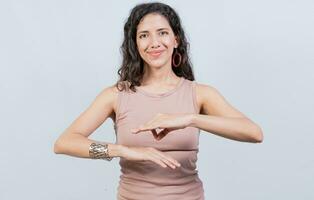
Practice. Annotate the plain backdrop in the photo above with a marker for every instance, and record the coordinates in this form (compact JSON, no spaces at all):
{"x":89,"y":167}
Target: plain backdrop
{"x":56,"y":56}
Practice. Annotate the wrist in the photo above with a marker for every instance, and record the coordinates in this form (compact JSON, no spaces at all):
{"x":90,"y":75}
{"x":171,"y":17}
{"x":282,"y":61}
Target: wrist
{"x":192,"y":120}
{"x":115,"y":150}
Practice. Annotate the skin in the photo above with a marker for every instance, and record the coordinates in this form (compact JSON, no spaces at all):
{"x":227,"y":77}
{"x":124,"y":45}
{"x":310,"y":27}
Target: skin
{"x":215,"y":114}
{"x":155,"y":34}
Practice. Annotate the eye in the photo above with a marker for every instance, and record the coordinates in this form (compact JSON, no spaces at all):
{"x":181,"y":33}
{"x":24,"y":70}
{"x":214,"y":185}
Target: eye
{"x":163,"y":33}
{"x":143,"y":36}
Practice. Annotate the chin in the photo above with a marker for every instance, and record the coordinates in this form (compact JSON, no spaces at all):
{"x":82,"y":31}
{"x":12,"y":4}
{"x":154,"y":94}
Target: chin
{"x":157,"y":63}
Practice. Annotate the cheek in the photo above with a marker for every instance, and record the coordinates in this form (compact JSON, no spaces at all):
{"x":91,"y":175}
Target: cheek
{"x":141,"y":46}
{"x":169,"y":42}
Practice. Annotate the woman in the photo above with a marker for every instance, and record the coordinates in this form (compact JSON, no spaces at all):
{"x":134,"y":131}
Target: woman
{"x":158,"y":110}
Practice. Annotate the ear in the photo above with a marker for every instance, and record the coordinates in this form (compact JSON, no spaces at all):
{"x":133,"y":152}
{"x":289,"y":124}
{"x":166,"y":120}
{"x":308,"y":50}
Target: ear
{"x":176,"y":42}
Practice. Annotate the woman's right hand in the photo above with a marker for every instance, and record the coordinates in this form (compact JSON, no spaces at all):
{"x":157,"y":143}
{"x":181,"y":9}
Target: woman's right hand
{"x":151,"y":154}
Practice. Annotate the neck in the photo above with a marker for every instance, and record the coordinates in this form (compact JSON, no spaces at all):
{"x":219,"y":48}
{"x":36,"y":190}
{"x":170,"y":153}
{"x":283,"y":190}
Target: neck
{"x":158,"y":75}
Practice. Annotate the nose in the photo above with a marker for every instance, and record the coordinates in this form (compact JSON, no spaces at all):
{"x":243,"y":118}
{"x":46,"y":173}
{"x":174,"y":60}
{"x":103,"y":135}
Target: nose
{"x":154,"y":43}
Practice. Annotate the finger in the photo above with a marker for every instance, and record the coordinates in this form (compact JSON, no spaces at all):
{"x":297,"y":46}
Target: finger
{"x":168,"y":162}
{"x":158,"y":161}
{"x":172,"y":160}
{"x":141,"y":129}
{"x":145,"y":127}
{"x":157,"y":156}
{"x":137,"y":130}
{"x":168,"y":159}
{"x":164,"y":160}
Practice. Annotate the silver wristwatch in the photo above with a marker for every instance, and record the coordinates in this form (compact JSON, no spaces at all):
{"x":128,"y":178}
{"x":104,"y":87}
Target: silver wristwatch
{"x":99,"y":151}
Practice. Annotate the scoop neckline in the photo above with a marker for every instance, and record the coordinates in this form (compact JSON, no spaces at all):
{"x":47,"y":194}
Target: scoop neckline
{"x":164,"y":93}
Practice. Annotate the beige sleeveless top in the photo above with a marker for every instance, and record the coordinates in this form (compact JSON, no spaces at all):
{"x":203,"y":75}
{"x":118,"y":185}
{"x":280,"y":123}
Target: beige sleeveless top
{"x":146,"y":180}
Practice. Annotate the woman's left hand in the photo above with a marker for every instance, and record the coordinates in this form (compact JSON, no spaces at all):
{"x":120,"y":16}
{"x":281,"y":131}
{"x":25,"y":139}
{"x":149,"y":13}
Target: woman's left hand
{"x":167,"y":122}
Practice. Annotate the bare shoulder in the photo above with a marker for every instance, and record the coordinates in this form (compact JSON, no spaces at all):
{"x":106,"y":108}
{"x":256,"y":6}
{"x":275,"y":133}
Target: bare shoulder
{"x":111,"y":94}
{"x":108,"y":96}
{"x":108,"y":92}
{"x":203,"y":91}
{"x":212,"y":102}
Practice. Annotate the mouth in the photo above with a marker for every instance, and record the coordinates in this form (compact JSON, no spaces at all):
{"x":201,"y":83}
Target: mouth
{"x":155,"y":54}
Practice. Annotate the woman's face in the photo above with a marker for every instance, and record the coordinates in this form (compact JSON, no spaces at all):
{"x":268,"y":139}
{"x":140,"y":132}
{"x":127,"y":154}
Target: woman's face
{"x":155,"y":40}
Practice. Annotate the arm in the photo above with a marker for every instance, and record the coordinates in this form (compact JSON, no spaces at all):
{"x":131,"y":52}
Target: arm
{"x":220,"y":118}
{"x":74,"y":140}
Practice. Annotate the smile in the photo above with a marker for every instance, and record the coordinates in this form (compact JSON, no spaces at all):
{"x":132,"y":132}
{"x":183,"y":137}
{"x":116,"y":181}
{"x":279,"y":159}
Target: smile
{"x":155,"y":53}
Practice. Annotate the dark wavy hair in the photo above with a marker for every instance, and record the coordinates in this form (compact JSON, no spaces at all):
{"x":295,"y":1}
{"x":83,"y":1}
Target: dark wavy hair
{"x":131,"y":71}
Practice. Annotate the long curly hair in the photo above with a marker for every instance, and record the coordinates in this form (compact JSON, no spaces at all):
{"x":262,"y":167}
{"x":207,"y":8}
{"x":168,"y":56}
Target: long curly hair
{"x":131,"y":71}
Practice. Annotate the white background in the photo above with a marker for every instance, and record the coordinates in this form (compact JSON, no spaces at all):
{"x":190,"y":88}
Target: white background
{"x":56,"y":56}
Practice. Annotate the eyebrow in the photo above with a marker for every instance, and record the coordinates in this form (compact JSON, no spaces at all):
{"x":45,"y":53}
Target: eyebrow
{"x":160,"y":29}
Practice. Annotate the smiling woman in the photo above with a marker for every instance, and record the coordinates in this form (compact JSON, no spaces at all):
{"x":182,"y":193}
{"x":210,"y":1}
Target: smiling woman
{"x":155,"y":30}
{"x":158,"y":109}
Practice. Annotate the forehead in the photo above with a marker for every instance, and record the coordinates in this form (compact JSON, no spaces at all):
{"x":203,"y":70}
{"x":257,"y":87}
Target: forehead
{"x":153,"y":21}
